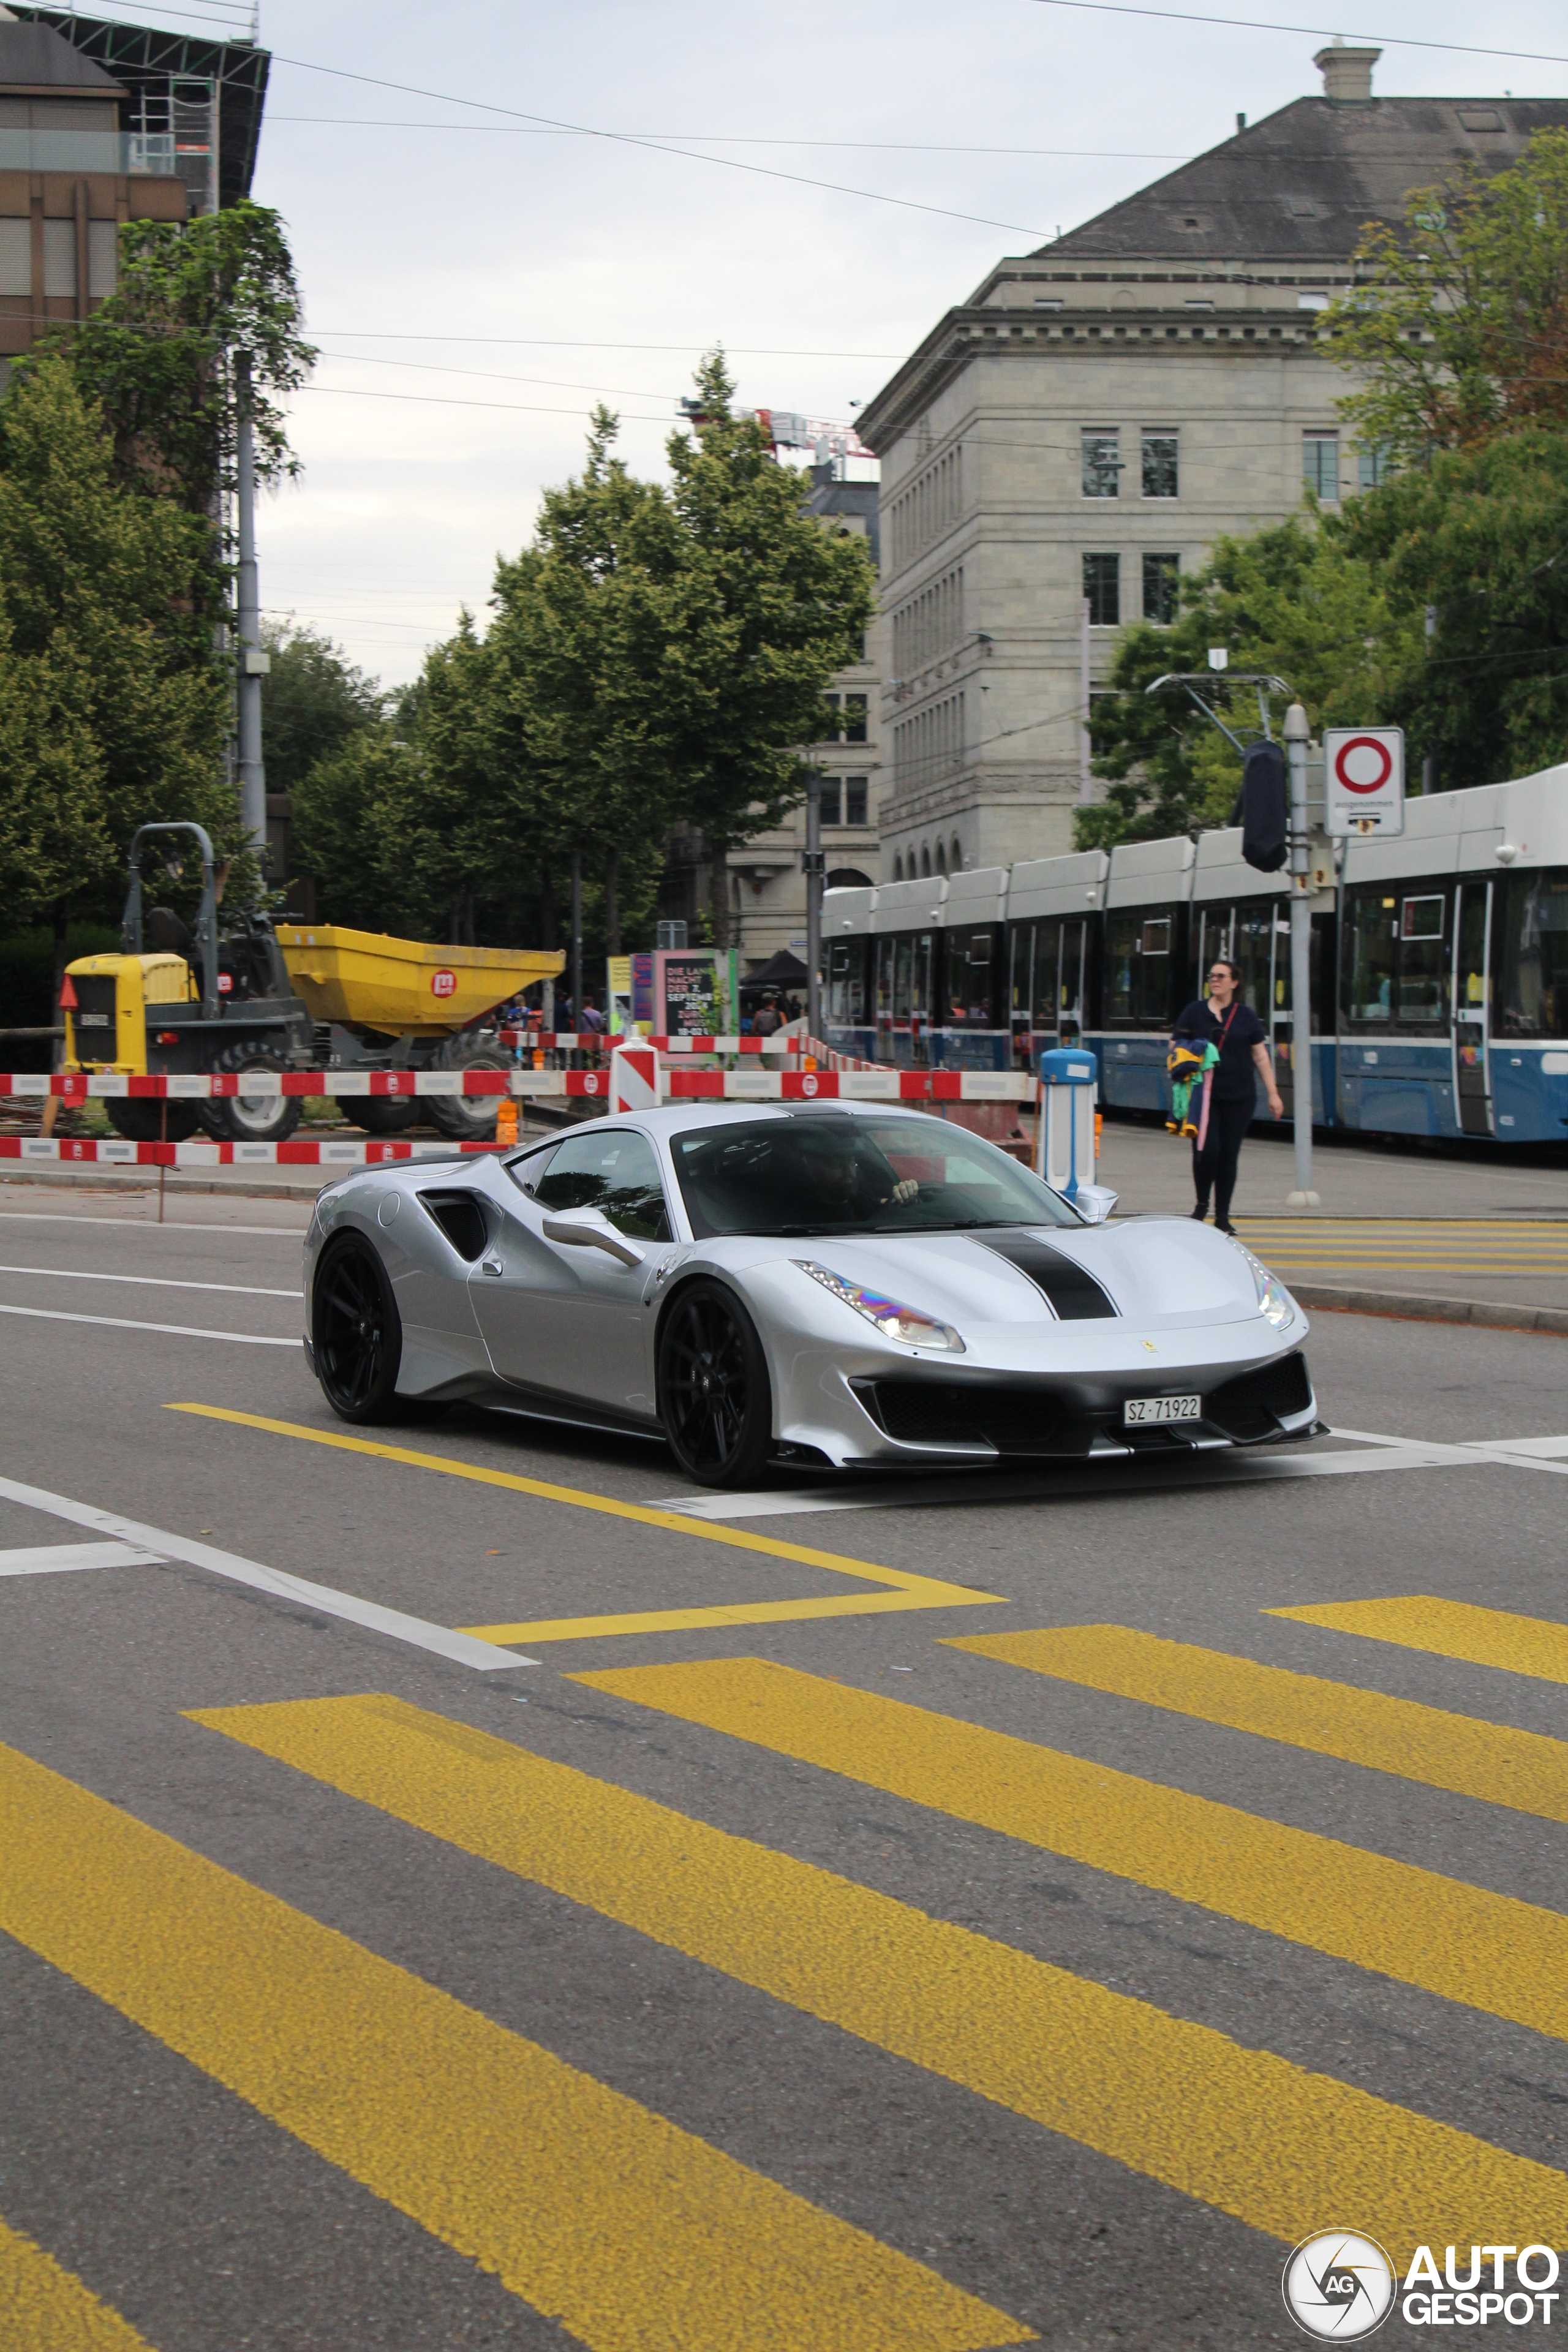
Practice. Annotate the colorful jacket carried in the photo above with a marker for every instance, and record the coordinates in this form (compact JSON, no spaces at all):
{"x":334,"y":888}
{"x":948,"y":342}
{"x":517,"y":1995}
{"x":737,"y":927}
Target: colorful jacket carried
{"x":1187,"y":1066}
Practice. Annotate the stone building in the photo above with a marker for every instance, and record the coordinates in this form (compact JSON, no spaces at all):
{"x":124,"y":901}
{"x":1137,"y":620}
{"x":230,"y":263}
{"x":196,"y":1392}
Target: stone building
{"x":1065,"y":445}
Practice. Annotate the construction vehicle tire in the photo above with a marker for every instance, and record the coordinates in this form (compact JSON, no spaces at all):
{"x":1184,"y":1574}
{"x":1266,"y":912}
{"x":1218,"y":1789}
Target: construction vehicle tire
{"x":143,"y":1121}
{"x":250,"y":1118}
{"x":471,"y":1119}
{"x":378,"y":1114}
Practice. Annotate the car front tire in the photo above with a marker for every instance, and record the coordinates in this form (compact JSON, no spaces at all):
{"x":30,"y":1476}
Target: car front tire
{"x":714,"y":1397}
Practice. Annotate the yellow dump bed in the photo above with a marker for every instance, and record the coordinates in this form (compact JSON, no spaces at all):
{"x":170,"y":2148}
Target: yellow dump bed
{"x":401,"y":987}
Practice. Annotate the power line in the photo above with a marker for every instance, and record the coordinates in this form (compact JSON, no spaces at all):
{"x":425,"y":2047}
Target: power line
{"x":749,"y":139}
{"x":568,"y":343}
{"x":493,"y":375}
{"x":450,"y":400}
{"x":653,"y":147}
{"x":1311,"y":32}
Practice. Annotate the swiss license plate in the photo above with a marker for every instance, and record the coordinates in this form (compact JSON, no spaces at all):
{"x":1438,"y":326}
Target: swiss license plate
{"x":1138,"y":1412}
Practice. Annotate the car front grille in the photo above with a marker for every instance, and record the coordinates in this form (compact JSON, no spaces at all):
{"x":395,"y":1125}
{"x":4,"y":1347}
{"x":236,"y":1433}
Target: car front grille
{"x":95,"y":1021}
{"x":1253,"y":1405}
{"x":1016,"y":1419}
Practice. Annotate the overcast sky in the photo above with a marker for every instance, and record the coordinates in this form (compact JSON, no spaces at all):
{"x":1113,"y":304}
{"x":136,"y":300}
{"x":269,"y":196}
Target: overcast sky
{"x":497,"y":279}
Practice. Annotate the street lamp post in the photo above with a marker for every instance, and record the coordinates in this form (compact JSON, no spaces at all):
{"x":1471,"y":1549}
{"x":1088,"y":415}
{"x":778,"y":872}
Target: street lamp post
{"x":1296,"y":735}
{"x":253,"y":662}
{"x":814,"y":862}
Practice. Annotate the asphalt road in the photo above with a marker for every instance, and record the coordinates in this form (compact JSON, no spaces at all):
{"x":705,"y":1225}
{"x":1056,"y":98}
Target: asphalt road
{"x":823,"y":1967}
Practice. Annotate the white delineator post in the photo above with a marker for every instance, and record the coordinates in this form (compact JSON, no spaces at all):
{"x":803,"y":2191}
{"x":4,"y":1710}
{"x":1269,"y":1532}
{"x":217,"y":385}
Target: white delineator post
{"x":1065,"y":1149}
{"x":1296,"y":735}
{"x":633,"y":1079}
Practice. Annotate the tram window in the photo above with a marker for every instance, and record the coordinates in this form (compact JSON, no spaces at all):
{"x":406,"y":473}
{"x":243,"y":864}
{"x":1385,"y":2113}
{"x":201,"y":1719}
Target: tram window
{"x":1136,"y":976}
{"x":1370,"y":924}
{"x":1252,"y":939}
{"x":1421,"y":919}
{"x":970,"y":982}
{"x":1532,"y":940}
{"x":1047,"y":953}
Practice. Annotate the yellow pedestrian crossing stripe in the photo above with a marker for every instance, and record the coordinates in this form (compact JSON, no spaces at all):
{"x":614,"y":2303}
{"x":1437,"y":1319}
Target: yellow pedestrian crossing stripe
{"x":1247,"y":2131}
{"x":635,"y":2235}
{"x":1464,"y":1943}
{"x":1488,"y":1761}
{"x":1419,"y":1245}
{"x":1537,"y":1646}
{"x":45,"y":2308}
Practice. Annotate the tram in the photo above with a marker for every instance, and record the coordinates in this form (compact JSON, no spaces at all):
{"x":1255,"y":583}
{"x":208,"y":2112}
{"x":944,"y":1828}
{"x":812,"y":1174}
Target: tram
{"x":1439,"y":965}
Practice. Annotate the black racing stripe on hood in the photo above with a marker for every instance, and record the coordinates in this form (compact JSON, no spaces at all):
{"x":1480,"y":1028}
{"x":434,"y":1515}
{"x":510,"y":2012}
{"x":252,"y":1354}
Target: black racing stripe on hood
{"x":1069,"y":1288}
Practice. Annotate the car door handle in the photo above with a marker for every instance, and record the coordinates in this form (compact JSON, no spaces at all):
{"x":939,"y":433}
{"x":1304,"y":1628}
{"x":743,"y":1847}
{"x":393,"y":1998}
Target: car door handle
{"x":491,"y":1265}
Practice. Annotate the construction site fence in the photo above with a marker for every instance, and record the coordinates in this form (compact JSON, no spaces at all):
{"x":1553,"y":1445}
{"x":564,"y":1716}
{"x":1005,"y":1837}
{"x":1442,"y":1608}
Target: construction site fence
{"x":865,"y":1085}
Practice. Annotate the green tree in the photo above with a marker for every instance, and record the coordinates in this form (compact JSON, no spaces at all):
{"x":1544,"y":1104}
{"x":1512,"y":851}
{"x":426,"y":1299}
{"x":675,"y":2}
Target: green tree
{"x":765,"y":605}
{"x":114,"y":703}
{"x":1459,"y":328}
{"x":1298,"y":601}
{"x":1481,"y":535}
{"x":156,"y":356}
{"x":312,"y":699}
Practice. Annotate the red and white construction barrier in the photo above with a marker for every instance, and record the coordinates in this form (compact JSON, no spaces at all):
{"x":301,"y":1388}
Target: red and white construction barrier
{"x":350,"y":1085}
{"x":784,"y":1041}
{"x":111,"y":1153}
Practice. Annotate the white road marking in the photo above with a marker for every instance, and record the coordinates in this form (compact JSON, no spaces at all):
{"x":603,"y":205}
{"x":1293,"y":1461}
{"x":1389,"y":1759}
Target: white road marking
{"x":152,"y":1281}
{"x":51,"y":1560}
{"x":1147,"y":1474}
{"x":461,"y":1648}
{"x":1521,"y":1453}
{"x":176,"y":1331}
{"x":151,"y":1225}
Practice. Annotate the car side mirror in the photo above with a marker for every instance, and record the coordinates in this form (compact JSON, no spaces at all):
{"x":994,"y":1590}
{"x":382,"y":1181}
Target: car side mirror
{"x":591,"y":1229}
{"x":1094,"y":1202}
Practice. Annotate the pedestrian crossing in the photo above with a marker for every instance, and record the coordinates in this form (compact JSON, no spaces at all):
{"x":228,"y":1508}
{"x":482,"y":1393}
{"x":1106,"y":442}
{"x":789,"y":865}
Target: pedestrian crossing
{"x":45,"y":2308}
{"x":637,"y":2235}
{"x":1452,"y":1245}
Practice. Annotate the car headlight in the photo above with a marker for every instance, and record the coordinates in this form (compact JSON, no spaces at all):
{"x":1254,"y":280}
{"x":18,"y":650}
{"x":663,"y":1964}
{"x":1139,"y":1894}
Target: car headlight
{"x":893,"y":1320}
{"x":1275,"y":1303}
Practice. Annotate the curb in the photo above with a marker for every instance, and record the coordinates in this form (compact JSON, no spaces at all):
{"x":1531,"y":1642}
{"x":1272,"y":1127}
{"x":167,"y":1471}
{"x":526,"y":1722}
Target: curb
{"x":94,"y":1178}
{"x":1416,"y":1306}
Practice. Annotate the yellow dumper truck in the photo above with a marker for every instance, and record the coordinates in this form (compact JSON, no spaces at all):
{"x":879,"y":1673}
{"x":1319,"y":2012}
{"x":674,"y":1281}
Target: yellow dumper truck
{"x":259,"y":996}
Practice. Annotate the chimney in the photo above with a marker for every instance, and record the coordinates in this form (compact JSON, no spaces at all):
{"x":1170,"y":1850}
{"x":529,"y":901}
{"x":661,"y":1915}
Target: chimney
{"x":1347,"y":73}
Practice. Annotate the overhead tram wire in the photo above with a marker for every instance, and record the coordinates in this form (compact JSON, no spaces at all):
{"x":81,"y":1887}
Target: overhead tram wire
{"x":1309,"y":32}
{"x":749,"y":139}
{"x":654,"y":147}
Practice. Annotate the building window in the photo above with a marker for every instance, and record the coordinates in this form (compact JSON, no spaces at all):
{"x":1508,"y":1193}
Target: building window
{"x":925,"y":863}
{"x":957,"y":855}
{"x":1321,"y":463}
{"x":1160,"y":573}
{"x":854,"y":719}
{"x":1372,"y":467}
{"x":940,"y":859}
{"x":830,"y":800}
{"x":855,"y":800}
{"x":1101,"y":464}
{"x":897,"y":869}
{"x":1160,"y":470}
{"x":1102,"y":589}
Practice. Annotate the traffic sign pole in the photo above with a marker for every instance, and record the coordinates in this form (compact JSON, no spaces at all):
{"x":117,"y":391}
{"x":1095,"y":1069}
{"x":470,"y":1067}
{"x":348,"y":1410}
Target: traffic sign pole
{"x":1296,"y":734}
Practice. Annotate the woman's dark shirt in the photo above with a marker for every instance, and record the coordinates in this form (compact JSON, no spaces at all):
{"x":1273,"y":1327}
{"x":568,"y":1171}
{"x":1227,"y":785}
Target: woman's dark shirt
{"x":1236,"y":1079}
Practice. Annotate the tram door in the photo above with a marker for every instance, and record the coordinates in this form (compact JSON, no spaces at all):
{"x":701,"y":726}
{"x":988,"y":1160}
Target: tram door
{"x":1072,"y":980}
{"x":1472,"y":1008}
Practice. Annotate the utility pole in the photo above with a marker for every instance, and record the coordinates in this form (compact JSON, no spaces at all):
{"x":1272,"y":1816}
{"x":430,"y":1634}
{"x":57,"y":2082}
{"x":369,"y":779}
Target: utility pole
{"x":812,"y":863}
{"x":1296,"y":735}
{"x":577,"y":939}
{"x":254,"y":664}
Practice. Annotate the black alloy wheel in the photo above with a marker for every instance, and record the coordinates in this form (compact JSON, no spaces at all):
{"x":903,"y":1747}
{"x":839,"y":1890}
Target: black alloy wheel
{"x":713,"y":1394}
{"x":356,"y":1333}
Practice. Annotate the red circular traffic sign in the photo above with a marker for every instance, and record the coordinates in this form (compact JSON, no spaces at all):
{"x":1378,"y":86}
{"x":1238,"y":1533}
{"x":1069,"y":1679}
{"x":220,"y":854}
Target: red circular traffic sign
{"x":1363,"y":744}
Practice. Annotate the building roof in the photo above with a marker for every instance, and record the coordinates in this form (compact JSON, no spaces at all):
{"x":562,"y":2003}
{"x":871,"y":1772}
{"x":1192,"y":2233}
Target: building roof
{"x":137,"y":56}
{"x":1302,"y":185}
{"x":35,"y":59}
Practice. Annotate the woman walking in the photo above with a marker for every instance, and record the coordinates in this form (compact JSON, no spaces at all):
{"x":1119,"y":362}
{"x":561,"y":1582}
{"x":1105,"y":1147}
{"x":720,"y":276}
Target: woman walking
{"x":1231,"y":1105}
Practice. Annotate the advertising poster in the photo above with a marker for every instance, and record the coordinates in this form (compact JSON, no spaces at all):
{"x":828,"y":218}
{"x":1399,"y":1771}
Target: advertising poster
{"x":686,"y":993}
{"x":617,"y":995}
{"x":642,"y":992}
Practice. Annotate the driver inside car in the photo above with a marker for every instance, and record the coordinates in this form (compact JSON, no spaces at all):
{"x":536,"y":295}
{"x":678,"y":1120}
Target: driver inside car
{"x":848,"y":1177}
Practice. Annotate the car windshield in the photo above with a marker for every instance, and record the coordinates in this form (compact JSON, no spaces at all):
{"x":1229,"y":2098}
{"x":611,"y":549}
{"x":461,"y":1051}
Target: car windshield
{"x":826,"y":1174}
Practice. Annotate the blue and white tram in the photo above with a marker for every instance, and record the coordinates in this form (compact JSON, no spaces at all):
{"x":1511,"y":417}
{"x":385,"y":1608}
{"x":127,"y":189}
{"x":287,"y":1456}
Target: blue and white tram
{"x":1439,"y":965}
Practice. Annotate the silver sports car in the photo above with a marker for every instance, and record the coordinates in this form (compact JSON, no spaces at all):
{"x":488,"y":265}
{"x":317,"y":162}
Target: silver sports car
{"x":844,"y":1286}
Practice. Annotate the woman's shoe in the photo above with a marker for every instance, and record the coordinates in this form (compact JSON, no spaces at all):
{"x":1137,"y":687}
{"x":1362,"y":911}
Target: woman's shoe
{"x":1223,"y":1225}
{"x":1200,"y":1215}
